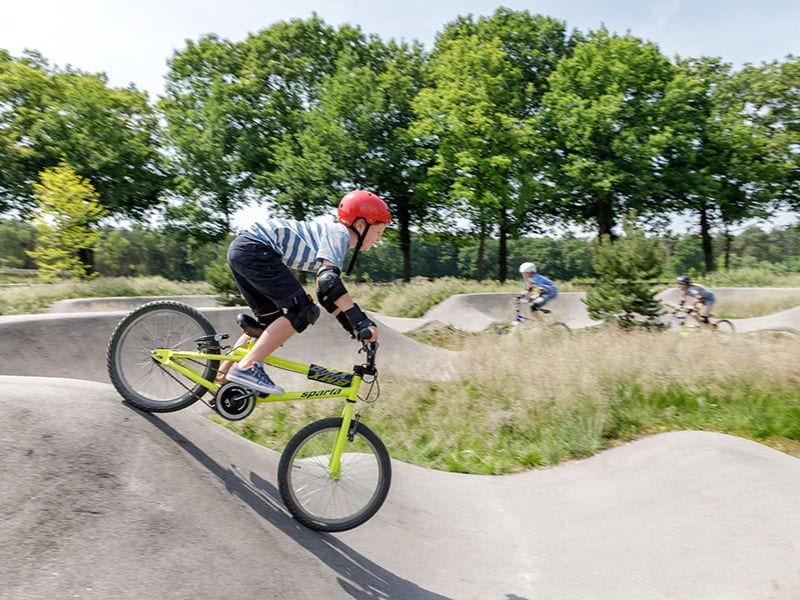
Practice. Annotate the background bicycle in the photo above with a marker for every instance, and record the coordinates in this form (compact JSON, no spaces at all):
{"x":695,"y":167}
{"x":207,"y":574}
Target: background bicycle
{"x":333,"y":475}
{"x":684,"y":320}
{"x":522,"y":308}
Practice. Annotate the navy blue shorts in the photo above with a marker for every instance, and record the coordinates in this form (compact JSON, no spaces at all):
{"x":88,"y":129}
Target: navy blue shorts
{"x":265,"y":282}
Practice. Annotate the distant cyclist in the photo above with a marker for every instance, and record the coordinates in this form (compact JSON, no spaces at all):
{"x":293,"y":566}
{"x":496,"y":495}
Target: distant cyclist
{"x":538,"y":289}
{"x":699,"y":300}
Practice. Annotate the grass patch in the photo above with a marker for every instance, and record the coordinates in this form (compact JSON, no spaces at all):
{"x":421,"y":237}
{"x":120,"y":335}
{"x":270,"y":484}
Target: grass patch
{"x":751,"y":277}
{"x":445,"y":336}
{"x":731,"y":308}
{"x":529,"y":401}
{"x":37,"y":297}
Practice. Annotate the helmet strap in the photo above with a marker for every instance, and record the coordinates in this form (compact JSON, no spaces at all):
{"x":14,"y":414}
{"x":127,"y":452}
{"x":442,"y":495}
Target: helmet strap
{"x":360,"y":237}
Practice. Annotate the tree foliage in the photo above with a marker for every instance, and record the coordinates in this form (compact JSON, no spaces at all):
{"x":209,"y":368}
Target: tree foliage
{"x":487,"y":79}
{"x":66,"y":223}
{"x":508,"y":125}
{"x":624,"y":267}
{"x":602,"y":130}
{"x":109,"y":135}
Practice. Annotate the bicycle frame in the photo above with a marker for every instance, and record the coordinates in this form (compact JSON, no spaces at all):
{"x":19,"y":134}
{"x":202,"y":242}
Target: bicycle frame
{"x":173,"y":359}
{"x":519,"y":317}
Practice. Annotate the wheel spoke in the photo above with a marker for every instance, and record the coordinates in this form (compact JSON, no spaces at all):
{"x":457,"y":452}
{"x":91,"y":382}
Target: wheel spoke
{"x":321,"y":502}
{"x":140,"y":379}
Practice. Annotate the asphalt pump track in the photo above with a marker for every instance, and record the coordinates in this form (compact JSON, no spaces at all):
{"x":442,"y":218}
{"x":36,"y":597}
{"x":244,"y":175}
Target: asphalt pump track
{"x":102,"y":501}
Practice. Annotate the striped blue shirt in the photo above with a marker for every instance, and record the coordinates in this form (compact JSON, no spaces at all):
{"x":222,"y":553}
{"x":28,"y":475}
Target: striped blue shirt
{"x":302,"y":244}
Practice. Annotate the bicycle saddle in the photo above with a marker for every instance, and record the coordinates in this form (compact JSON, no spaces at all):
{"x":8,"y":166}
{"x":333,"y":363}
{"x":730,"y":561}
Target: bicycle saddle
{"x":249,"y":325}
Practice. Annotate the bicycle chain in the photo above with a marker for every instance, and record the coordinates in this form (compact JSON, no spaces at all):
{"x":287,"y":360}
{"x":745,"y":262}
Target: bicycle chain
{"x":184,"y":386}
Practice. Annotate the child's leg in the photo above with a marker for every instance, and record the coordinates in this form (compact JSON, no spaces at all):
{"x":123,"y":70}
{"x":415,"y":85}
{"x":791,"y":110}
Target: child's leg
{"x":704,"y":312}
{"x":273,"y":293}
{"x":264,"y":320}
{"x":276,"y":334}
{"x":538,"y":304}
{"x":225,"y":366}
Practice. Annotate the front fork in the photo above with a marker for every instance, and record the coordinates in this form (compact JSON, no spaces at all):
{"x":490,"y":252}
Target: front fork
{"x":346,"y":432}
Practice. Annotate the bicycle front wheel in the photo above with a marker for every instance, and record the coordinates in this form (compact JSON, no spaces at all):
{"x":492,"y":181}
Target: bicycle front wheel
{"x":724,"y":327}
{"x":320,"y":501}
{"x":144,"y":382}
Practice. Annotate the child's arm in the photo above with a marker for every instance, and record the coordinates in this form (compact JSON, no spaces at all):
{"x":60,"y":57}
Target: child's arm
{"x":335,"y":298}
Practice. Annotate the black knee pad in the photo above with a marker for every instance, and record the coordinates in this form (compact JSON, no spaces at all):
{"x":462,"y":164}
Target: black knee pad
{"x":302,"y":314}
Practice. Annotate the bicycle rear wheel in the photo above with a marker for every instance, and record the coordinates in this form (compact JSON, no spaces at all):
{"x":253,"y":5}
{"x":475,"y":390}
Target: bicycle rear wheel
{"x":144,"y":382}
{"x":317,"y":500}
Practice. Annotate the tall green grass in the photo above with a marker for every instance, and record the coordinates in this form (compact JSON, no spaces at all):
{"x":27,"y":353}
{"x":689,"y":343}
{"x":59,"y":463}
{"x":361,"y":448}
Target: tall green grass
{"x":526,"y":401}
{"x":751,"y":277}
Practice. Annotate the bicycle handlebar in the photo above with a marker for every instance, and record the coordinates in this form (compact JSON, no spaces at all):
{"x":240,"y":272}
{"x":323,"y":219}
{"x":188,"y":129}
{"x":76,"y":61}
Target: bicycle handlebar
{"x":371,"y":348}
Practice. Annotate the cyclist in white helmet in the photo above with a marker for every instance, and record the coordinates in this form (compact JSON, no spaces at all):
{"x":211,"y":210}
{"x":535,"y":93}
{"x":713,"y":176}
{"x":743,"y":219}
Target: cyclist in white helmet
{"x":539,"y":290}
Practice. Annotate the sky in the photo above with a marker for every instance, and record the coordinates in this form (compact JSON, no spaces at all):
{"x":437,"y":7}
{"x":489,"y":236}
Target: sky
{"x":131,"y":40}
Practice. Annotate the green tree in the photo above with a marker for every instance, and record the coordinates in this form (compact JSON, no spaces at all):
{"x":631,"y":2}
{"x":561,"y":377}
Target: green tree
{"x":205,"y":112}
{"x":772,"y":101}
{"x":623,"y":267}
{"x":475,"y":119}
{"x":358,"y":136}
{"x":601,"y":131}
{"x":685,"y":255}
{"x":15,"y":238}
{"x":235,"y":111}
{"x":111,"y":255}
{"x":109,"y":135}
{"x":718,"y":160}
{"x":68,"y":212}
{"x":23,"y":85}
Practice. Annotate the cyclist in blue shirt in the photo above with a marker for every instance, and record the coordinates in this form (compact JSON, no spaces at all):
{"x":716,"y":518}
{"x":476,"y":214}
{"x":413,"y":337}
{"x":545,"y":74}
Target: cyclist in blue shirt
{"x":260,"y":259}
{"x":701,"y":299}
{"x":534,"y":281}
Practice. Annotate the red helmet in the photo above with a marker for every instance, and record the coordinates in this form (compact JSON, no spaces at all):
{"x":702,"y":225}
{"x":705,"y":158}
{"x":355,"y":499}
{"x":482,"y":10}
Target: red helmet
{"x":364,"y":204}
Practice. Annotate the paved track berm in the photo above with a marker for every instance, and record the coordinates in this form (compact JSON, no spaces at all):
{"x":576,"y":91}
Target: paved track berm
{"x":102,"y":501}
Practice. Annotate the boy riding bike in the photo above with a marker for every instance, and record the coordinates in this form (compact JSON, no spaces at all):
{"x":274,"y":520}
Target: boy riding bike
{"x":701,"y":299}
{"x":545,"y":289}
{"x":260,"y":259}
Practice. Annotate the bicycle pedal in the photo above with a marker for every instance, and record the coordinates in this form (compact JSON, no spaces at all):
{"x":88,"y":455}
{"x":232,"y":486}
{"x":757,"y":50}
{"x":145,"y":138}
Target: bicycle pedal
{"x":216,"y":337}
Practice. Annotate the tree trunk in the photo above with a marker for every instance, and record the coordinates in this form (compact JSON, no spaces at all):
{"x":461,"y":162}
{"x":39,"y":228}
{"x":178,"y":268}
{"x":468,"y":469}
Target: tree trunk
{"x":605,"y":219}
{"x":404,"y":217}
{"x":481,"y":253}
{"x":502,"y":267}
{"x":728,"y":242}
{"x":705,"y":236}
{"x":86,"y":256}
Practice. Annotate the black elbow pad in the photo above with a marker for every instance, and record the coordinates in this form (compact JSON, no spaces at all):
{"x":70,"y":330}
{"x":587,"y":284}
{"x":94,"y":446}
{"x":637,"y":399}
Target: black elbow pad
{"x":329,"y":287}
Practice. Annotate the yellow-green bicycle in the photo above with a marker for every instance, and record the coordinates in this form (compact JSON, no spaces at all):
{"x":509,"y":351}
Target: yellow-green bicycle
{"x":333,"y":475}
